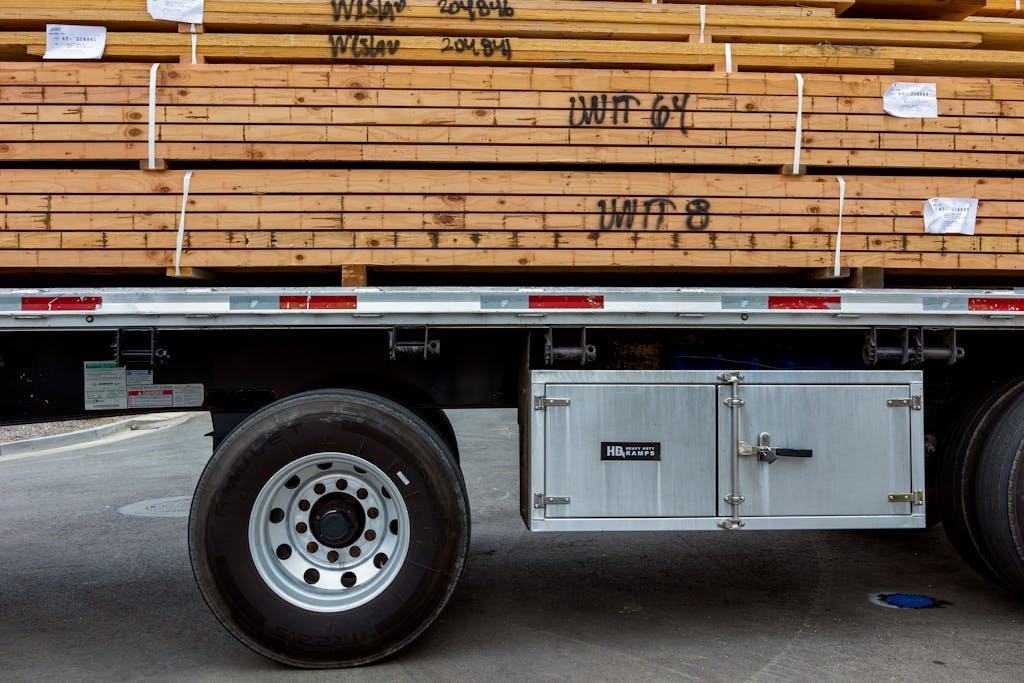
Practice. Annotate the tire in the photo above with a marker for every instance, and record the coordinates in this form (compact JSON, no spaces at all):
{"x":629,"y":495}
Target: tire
{"x":960,"y":454}
{"x":999,"y":495}
{"x":322,"y":473}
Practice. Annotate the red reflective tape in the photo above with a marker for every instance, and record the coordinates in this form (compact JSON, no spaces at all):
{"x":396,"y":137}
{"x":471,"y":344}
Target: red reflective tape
{"x":60,"y":303}
{"x":317,"y":303}
{"x":993,"y":304}
{"x":804,"y":303}
{"x":566,"y":301}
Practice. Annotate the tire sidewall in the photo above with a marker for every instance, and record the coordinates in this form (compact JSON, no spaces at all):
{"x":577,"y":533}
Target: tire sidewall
{"x":385,"y":434}
{"x":999,"y":487}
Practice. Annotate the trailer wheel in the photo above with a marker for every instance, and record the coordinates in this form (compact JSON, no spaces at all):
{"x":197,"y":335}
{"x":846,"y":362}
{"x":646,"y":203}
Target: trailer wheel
{"x":329,"y":529}
{"x":956,"y":477}
{"x":999,"y":495}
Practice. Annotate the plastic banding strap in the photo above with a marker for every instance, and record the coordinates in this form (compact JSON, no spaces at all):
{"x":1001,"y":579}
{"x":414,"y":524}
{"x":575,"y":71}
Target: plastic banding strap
{"x":703,"y":20}
{"x":193,"y":31}
{"x":185,"y":182}
{"x":839,"y":233}
{"x":152,"y":115}
{"x":728,"y":58}
{"x":799,"y":123}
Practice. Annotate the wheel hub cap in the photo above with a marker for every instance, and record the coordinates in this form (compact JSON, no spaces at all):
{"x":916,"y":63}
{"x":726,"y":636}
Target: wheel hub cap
{"x":337,"y":520}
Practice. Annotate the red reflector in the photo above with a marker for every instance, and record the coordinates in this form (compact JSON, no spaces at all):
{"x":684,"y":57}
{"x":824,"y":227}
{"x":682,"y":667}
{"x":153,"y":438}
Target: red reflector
{"x":992,"y":304}
{"x":566,"y":302}
{"x":804,"y":303}
{"x":60,"y":303}
{"x":317,"y":303}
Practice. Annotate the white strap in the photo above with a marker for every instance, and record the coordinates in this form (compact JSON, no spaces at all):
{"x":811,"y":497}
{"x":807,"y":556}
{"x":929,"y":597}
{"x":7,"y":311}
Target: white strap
{"x":181,"y":223}
{"x":703,"y":20}
{"x":193,"y":30}
{"x":152,"y":115}
{"x":728,"y":58}
{"x":839,"y":234}
{"x":799,"y":123}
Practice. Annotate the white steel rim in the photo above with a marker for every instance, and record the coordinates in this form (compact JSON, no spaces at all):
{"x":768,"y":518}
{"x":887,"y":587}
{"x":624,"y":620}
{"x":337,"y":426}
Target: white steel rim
{"x":292,"y":557}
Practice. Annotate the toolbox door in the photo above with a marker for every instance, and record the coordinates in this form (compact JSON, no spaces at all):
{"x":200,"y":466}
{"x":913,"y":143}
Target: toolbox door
{"x":630,"y":450}
{"x":836,"y":449}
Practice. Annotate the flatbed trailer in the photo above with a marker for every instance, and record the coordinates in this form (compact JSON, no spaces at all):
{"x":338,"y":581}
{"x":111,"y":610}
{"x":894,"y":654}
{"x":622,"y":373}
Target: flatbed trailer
{"x":331,"y":525}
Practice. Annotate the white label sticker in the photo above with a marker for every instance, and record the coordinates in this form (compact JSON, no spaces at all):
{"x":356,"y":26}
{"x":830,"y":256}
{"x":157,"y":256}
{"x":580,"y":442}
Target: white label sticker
{"x":185,"y":11}
{"x":912,"y":101}
{"x":74,"y":42}
{"x":105,"y":387}
{"x":165,"y":396}
{"x":946,"y":216}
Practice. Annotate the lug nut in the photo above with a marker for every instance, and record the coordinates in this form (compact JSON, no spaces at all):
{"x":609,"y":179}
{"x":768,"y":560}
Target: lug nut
{"x":354,"y":551}
{"x":319,"y":489}
{"x":332,"y":556}
{"x":370,"y":535}
{"x":301,"y":527}
{"x":303,"y":505}
{"x":372,"y":513}
{"x":341,"y":484}
{"x":362,"y":493}
{"x":312,"y":547}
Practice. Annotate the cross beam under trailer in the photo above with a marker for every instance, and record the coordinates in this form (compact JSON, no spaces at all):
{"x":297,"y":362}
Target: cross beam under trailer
{"x":489,"y":307}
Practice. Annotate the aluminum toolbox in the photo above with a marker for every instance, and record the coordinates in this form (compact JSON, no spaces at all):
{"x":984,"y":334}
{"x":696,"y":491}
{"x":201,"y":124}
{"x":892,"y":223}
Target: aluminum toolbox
{"x":647,"y":450}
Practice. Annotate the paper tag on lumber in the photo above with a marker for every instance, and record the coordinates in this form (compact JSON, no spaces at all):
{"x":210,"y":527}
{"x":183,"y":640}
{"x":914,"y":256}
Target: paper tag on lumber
{"x":912,"y":101}
{"x":950,"y":216}
{"x":64,"y":41}
{"x":184,"y":11}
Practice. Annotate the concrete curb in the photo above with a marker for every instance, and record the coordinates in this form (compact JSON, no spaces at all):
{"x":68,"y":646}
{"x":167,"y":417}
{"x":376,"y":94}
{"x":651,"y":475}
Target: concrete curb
{"x":84,"y":436}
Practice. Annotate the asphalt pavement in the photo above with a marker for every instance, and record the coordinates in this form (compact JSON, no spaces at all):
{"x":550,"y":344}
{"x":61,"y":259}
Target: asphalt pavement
{"x":95,"y":584}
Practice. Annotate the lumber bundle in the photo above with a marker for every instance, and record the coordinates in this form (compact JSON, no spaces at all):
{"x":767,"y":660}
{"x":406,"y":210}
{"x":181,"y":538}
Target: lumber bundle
{"x":329,"y":218}
{"x":786,"y":37}
{"x":449,"y":115}
{"x":320,"y":134}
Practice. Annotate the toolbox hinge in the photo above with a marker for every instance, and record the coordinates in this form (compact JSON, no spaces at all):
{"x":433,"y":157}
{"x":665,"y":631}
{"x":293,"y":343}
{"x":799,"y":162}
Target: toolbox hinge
{"x":542,"y":402}
{"x":540,"y":501}
{"x":914,"y":402}
{"x":915,"y":498}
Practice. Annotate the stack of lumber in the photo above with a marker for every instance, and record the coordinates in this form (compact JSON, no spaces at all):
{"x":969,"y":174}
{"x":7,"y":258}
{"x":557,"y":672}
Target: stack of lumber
{"x":272,"y":218}
{"x":318,"y":134}
{"x":439,"y":114}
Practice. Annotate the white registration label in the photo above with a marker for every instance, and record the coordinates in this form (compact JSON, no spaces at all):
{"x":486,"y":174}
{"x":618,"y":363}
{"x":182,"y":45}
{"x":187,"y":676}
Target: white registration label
{"x":184,"y":11}
{"x":912,"y":101}
{"x":64,"y":41}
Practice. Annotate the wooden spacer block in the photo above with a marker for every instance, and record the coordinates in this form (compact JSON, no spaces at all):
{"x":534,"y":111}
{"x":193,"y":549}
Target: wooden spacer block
{"x":187,"y":28}
{"x":158,"y":165}
{"x":789,"y":170}
{"x":353,"y":276}
{"x":192,"y":273}
{"x":187,"y":59}
{"x":868,"y":278}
